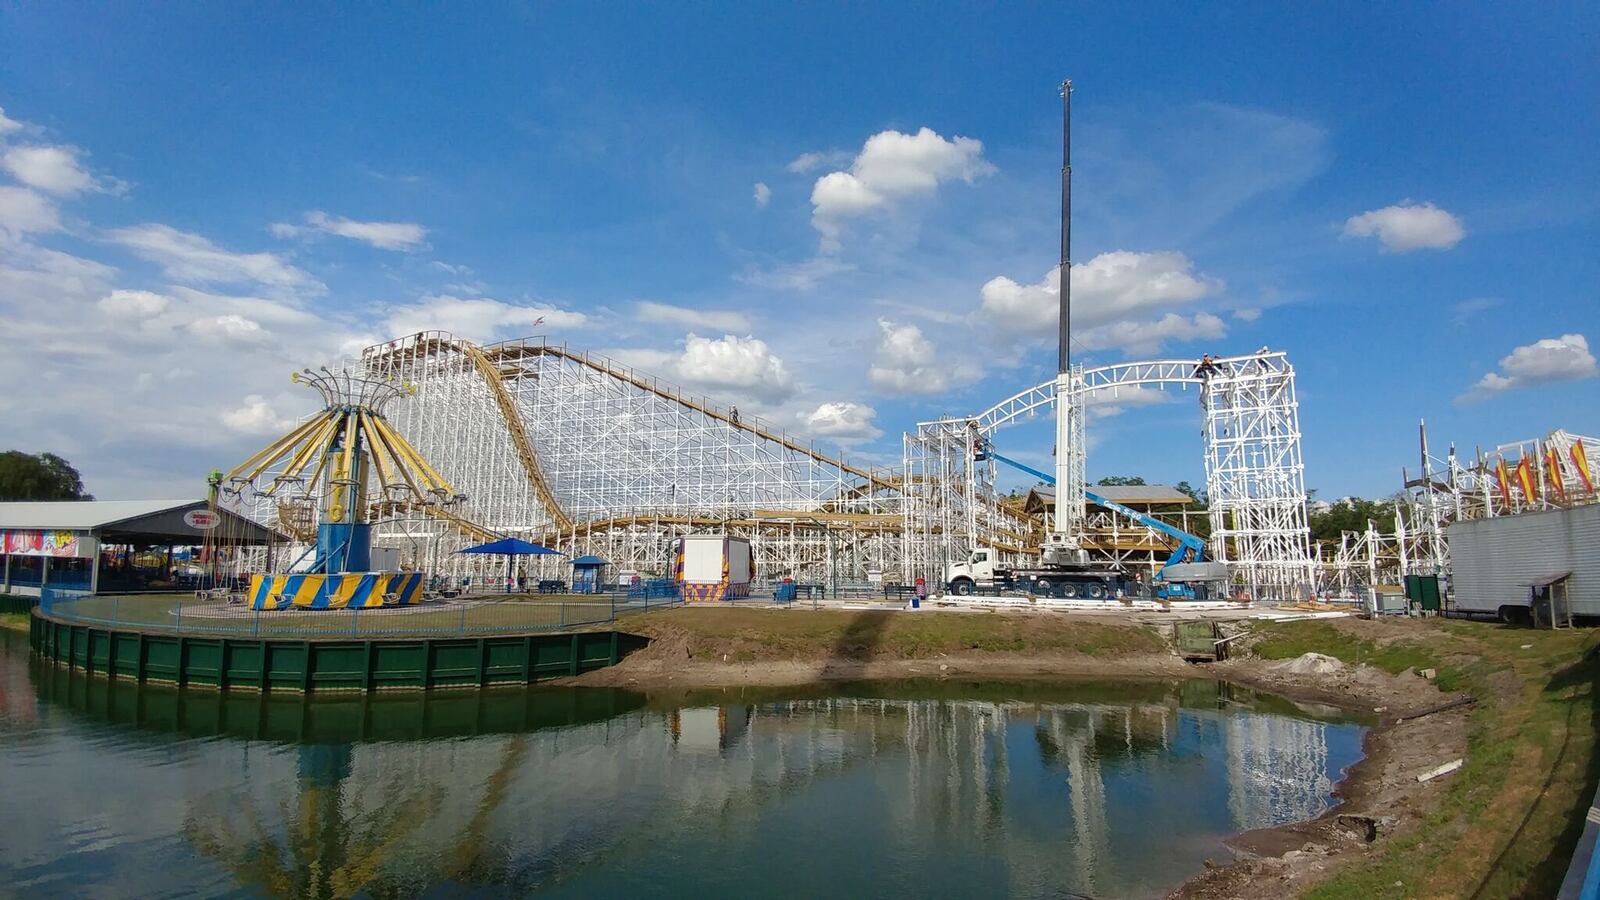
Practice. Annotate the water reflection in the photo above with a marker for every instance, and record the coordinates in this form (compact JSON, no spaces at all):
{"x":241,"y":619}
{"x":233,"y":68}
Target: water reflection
{"x":940,"y":789}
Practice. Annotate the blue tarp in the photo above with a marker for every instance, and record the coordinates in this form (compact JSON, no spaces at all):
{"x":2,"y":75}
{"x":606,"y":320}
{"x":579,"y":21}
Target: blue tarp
{"x":511,"y":547}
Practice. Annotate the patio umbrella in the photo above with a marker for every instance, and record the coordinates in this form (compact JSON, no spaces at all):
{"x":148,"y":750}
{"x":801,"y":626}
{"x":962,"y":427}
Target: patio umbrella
{"x":511,"y":547}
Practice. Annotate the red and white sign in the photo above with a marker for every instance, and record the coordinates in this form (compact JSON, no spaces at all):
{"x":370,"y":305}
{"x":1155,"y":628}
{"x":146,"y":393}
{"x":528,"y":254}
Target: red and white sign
{"x":202,"y":519}
{"x":64,"y":544}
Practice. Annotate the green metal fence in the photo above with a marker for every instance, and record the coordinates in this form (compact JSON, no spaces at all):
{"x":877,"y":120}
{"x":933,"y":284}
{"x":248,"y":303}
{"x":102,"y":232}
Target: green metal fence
{"x":325,"y":665}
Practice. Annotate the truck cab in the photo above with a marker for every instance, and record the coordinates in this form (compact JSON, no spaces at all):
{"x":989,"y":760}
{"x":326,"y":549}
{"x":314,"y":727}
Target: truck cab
{"x":963,"y":578}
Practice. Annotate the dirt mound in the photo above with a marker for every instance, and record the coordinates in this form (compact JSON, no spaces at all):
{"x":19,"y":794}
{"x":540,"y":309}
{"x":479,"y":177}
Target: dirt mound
{"x":1310,"y":664}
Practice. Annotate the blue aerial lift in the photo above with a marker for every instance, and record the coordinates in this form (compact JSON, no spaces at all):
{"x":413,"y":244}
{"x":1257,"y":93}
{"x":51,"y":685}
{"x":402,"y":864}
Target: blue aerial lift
{"x":1189,"y":548}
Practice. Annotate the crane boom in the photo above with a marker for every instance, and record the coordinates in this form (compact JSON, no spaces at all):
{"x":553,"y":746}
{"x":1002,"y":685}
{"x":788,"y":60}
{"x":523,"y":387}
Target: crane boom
{"x":1190,"y":547}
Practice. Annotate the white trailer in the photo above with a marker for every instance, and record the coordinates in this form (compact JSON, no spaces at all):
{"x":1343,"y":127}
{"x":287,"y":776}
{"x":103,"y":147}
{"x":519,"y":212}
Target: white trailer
{"x":714,"y":567}
{"x":1500,"y":565}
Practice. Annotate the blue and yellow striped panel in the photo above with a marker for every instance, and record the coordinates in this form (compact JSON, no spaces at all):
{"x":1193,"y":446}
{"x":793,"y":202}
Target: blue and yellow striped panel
{"x":406,"y":586}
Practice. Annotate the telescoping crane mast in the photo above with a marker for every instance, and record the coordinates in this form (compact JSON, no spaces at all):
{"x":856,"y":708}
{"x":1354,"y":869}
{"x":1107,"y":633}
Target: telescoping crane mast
{"x":1061,"y":544}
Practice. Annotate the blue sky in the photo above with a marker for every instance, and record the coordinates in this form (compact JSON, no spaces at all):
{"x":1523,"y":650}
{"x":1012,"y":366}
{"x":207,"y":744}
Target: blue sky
{"x":197,"y":199}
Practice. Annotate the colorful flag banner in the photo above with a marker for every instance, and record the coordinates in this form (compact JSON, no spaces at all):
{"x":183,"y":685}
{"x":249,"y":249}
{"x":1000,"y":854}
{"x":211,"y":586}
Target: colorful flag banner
{"x":1552,"y":471}
{"x":1525,"y":479}
{"x":1504,"y":478}
{"x":1580,"y":461}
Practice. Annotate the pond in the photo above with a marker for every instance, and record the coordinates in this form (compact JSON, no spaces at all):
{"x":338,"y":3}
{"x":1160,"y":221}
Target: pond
{"x":928,"y":789}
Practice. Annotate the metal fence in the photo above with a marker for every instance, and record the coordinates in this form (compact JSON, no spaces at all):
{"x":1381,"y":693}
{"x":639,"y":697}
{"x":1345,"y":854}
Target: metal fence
{"x":461,"y":616}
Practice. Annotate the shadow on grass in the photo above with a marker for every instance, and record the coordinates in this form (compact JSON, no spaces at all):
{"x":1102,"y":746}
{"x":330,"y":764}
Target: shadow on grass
{"x":859,"y":640}
{"x":1582,"y":677}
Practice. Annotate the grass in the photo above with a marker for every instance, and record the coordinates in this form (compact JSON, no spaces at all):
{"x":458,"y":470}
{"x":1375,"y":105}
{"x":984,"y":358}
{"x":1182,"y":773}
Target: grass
{"x":747,"y":635}
{"x":14,"y":621}
{"x":1513,"y":813}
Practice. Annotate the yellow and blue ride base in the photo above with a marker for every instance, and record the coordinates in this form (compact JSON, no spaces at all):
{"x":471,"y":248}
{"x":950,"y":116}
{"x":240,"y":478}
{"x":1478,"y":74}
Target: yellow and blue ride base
{"x":347,"y":590}
{"x":712,"y":591}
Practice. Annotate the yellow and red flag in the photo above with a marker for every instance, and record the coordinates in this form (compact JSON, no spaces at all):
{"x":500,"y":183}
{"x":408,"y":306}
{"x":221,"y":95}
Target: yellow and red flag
{"x":1525,"y":479}
{"x":1552,"y":471}
{"x":1580,"y":461}
{"x":1504,"y":478}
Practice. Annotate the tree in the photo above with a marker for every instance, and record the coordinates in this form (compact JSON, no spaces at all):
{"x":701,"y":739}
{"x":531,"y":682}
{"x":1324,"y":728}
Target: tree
{"x":1120,"y":480}
{"x":43,"y":476}
{"x":1350,"y":514}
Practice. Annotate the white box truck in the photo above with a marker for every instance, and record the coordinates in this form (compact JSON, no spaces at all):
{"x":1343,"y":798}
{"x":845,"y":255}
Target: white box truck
{"x":714,"y":567}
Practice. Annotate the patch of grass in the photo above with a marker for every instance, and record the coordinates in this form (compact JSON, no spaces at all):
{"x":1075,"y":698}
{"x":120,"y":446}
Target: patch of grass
{"x":1513,"y":813}
{"x":806,"y":634}
{"x":14,"y":621}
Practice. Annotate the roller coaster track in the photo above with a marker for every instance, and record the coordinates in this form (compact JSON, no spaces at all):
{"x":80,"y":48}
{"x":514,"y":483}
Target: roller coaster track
{"x":519,"y":434}
{"x":514,"y":350}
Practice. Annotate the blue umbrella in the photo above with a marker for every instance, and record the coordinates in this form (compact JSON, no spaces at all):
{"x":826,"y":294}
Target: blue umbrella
{"x":509,"y":547}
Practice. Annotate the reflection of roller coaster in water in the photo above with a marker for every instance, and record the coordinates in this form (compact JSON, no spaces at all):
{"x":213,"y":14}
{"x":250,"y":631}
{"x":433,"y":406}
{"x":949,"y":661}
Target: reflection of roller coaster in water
{"x":1060,"y":788}
{"x":583,"y":453}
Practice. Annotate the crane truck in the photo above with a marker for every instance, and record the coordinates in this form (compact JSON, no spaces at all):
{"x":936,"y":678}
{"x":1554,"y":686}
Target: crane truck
{"x":1183,"y":576}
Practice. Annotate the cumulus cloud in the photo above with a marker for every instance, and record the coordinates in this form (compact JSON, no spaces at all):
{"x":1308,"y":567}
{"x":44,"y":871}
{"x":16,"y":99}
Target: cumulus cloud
{"x":892,"y":166}
{"x":1408,"y":226}
{"x":906,"y":362}
{"x":1566,"y":358}
{"x":763,"y":194}
{"x":744,"y":364}
{"x":137,"y":306}
{"x":1148,"y":337}
{"x":810,"y":162}
{"x":1111,"y":295}
{"x":667,"y":314}
{"x":479,"y":319}
{"x":844,"y":422}
{"x":23,"y":211}
{"x":1247,"y":314}
{"x":256,"y":416}
{"x":191,"y":258}
{"x":383,"y":235}
{"x":8,"y":125}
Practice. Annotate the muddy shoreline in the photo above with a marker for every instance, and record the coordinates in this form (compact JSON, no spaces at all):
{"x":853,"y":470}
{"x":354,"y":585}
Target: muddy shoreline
{"x":1378,"y":798}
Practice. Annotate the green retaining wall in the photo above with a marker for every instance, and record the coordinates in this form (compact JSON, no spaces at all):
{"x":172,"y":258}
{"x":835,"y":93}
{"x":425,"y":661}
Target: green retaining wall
{"x":312,"y":666}
{"x":16,"y":603}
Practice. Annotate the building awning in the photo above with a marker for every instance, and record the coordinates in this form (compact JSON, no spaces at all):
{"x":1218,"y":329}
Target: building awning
{"x":1546,"y":580}
{"x":589,"y":561}
{"x":135,"y":521}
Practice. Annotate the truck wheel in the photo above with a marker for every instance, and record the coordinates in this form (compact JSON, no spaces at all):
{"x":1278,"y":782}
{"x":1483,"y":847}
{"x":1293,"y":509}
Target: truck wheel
{"x":1515,"y":615}
{"x":1094,"y":591}
{"x":961,"y":587}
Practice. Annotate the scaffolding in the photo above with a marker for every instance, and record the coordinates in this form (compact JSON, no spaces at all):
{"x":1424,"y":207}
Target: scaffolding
{"x":1255,"y":471}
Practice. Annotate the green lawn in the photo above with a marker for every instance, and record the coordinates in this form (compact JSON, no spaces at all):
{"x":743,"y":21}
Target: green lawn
{"x":1514,"y":812}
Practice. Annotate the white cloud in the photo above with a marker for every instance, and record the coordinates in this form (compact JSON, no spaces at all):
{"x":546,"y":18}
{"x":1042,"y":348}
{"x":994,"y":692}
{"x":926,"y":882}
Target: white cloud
{"x":763,"y":194}
{"x":1146,"y":338}
{"x":743,"y":364}
{"x":256,"y":416}
{"x":191,"y":258}
{"x":479,"y":319}
{"x":844,"y":422}
{"x":1408,"y":226}
{"x":23,"y":211}
{"x":666,"y":314}
{"x":53,"y":169}
{"x":1247,"y":314}
{"x":1566,"y":358}
{"x":229,"y":329}
{"x":808,"y":162}
{"x":1111,"y":294}
{"x":383,"y":235}
{"x":906,"y":362}
{"x":8,"y":125}
{"x":801,"y":276}
{"x":136,"y":306}
{"x":890,"y":167}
